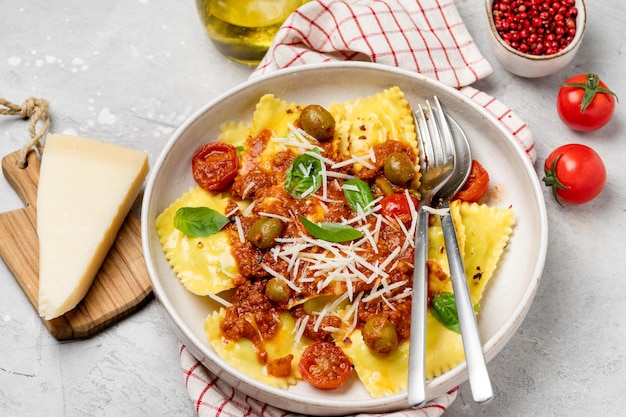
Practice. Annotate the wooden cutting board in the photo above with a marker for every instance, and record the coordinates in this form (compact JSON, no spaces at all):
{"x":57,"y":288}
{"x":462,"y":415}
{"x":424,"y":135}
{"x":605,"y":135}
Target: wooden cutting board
{"x":121,"y":286}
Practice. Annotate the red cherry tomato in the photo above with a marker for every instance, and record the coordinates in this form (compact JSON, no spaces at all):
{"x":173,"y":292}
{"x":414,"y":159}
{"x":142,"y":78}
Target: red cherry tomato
{"x":397,"y":205}
{"x":214,"y":165}
{"x":476,"y":185}
{"x":324,"y":366}
{"x":575,"y":172}
{"x":585,"y":103}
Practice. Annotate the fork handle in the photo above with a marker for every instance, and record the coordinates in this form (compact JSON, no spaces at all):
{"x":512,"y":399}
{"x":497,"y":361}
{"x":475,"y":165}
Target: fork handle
{"x":417,"y":350}
{"x":480,"y":383}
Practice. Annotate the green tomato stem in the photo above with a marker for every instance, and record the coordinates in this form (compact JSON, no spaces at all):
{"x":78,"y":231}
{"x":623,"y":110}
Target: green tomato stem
{"x":552,"y":180}
{"x":591,"y":87}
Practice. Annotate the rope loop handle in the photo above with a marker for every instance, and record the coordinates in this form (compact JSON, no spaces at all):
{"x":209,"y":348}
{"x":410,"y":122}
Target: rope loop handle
{"x":35,"y":109}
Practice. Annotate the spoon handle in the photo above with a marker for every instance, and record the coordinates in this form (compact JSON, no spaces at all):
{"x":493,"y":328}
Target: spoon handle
{"x":417,"y":350}
{"x":474,"y":357}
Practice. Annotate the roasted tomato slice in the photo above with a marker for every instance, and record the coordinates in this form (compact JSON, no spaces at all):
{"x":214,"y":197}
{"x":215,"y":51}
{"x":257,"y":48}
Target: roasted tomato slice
{"x":214,"y":165}
{"x":325,"y":366}
{"x":397,"y":205}
{"x":476,"y":185}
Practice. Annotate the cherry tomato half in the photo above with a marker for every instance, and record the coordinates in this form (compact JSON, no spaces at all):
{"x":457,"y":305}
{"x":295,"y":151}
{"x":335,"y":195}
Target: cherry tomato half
{"x":585,"y":103}
{"x":214,"y":165}
{"x":324,"y":366}
{"x":397,"y":205}
{"x":575,"y":172}
{"x":476,"y":185}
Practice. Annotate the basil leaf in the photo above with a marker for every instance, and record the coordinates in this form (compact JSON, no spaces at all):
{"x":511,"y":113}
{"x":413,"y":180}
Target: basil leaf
{"x":331,"y":232}
{"x":362,"y":197}
{"x":304,"y":176}
{"x":199,"y":221}
{"x":443,"y":308}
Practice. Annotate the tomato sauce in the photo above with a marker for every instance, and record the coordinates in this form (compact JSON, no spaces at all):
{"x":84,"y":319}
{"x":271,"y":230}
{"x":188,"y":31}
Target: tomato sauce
{"x":262,"y":181}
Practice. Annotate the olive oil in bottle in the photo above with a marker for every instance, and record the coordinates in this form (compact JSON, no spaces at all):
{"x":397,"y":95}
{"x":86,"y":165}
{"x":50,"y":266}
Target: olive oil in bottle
{"x":243,"y":30}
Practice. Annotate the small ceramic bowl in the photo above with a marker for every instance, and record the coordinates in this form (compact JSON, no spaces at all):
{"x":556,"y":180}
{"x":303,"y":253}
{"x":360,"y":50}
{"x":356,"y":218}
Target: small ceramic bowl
{"x":533,"y":66}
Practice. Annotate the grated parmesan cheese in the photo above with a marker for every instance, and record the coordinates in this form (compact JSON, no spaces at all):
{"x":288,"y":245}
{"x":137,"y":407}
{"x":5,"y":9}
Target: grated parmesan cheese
{"x":276,"y":216}
{"x":300,"y":328}
{"x":246,"y":190}
{"x":242,"y":237}
{"x":219,"y":299}
{"x":440,"y":211}
{"x":323,"y":264}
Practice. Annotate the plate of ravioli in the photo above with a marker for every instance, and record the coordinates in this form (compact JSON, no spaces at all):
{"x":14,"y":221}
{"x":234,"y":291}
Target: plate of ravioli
{"x":278,"y":227}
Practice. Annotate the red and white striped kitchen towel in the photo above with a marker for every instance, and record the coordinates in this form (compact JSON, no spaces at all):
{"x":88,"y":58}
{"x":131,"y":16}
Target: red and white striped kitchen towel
{"x":426,"y":36}
{"x":212,"y":397}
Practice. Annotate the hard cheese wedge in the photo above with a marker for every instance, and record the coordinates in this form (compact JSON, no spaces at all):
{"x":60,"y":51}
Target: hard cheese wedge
{"x":86,"y":189}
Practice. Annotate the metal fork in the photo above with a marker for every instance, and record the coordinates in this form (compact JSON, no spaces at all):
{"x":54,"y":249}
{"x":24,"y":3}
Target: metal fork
{"x":436,"y":164}
{"x":474,"y":357}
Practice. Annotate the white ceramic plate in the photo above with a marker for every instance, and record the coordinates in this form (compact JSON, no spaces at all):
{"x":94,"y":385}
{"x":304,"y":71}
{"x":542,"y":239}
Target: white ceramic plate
{"x":508,"y":295}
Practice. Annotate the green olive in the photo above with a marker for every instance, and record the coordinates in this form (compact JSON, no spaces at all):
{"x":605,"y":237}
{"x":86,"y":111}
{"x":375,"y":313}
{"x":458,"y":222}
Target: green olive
{"x":264,"y":232}
{"x":277,"y":290}
{"x":380,"y":336}
{"x":317,"y":122}
{"x":398,"y":168}
{"x":384,"y":185}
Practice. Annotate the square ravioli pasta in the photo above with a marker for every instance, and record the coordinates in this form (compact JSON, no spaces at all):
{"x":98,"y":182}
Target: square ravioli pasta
{"x":318,"y":241}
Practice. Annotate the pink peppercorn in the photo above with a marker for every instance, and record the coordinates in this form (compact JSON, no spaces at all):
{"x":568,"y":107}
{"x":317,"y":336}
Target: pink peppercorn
{"x":536,"y":27}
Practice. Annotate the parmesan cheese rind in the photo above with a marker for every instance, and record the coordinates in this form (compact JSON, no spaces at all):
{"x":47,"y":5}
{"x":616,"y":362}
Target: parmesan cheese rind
{"x":203,"y":264}
{"x":242,"y":355}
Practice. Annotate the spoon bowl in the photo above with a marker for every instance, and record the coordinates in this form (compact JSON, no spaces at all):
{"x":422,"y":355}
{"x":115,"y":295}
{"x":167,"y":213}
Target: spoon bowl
{"x":462,"y":164}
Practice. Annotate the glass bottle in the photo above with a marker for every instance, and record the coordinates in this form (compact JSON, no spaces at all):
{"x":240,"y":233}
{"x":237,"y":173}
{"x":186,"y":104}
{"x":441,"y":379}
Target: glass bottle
{"x":243,"y":30}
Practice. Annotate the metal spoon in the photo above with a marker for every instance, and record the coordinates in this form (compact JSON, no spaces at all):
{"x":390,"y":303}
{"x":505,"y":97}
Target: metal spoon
{"x":476,"y":366}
